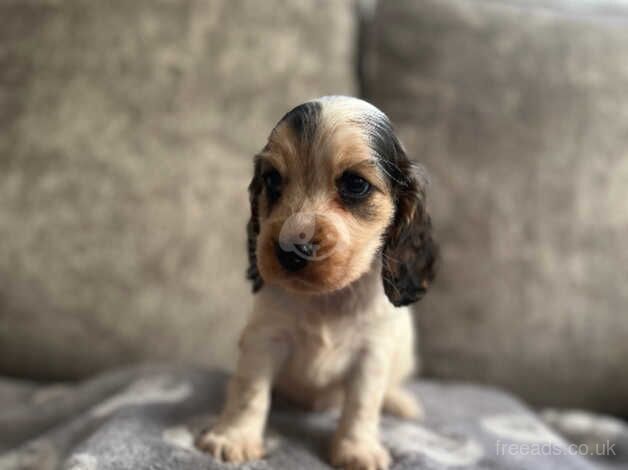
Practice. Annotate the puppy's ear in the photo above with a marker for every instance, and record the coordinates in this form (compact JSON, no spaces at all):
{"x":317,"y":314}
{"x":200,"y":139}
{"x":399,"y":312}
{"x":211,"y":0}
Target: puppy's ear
{"x":410,"y":253}
{"x":252,"y":227}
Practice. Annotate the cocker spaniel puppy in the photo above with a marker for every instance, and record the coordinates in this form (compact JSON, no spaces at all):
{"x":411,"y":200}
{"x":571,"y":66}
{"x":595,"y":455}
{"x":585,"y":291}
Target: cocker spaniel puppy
{"x":339,"y":243}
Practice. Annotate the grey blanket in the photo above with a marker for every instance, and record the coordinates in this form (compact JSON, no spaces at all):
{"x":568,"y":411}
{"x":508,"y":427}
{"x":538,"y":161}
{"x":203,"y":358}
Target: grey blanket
{"x":146,"y":418}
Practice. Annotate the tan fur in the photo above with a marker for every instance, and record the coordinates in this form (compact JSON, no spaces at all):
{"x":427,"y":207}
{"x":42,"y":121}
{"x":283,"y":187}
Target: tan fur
{"x":327,"y":335}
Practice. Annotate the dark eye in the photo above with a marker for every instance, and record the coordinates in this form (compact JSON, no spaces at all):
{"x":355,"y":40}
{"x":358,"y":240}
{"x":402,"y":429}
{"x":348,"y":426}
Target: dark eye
{"x":353,"y":186}
{"x":272,"y":181}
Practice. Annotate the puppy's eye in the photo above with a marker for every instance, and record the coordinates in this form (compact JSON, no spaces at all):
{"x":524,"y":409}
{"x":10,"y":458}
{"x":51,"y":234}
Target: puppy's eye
{"x":273,"y":181}
{"x":353,"y":186}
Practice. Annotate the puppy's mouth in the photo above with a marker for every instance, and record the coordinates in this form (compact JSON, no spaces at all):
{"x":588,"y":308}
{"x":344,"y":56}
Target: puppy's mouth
{"x":302,"y":275}
{"x":307,"y":253}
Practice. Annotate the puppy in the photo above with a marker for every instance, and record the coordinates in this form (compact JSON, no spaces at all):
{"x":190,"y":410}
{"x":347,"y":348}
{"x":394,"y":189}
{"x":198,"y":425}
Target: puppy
{"x":339,"y":242}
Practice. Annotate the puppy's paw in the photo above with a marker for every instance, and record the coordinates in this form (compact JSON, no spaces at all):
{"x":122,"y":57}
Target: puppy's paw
{"x":402,"y":404}
{"x":352,"y":454}
{"x":230,"y":446}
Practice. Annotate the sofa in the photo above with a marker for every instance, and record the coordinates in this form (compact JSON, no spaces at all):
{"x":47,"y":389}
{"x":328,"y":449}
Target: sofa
{"x":128,"y":130}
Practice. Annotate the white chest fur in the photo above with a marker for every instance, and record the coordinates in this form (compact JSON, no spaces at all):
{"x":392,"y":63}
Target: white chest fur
{"x":325,"y":336}
{"x":322,"y":350}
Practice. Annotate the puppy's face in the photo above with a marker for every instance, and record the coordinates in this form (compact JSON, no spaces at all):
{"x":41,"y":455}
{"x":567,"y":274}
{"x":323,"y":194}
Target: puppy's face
{"x":325,"y":196}
{"x":325,"y":204}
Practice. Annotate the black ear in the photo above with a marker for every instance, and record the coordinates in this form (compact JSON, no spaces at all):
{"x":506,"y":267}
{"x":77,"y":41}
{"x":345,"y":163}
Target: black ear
{"x":252,"y":227}
{"x":410,"y":253}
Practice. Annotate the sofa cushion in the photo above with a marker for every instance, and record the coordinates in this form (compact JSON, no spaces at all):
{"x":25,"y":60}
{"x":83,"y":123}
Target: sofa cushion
{"x":128,"y":130}
{"x":519,"y":111}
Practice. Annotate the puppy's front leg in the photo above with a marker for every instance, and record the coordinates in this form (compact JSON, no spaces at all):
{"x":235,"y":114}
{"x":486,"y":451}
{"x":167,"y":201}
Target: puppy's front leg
{"x":356,"y":443}
{"x":238,"y":435}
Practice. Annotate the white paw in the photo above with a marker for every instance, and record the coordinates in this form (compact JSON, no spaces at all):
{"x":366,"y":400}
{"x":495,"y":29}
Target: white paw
{"x":230,"y":446}
{"x":351,"y":454}
{"x":402,"y":404}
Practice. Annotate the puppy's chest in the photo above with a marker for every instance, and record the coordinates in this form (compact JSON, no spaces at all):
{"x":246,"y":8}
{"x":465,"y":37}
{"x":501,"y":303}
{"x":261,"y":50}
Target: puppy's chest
{"x":322,"y":353}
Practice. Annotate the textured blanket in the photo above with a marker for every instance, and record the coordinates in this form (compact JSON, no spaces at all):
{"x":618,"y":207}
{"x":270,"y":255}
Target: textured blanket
{"x":146,"y":418}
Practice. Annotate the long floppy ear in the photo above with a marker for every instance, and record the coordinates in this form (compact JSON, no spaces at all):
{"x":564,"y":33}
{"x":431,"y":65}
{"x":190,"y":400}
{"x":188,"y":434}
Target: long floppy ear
{"x":252,"y":227}
{"x":410,"y":253}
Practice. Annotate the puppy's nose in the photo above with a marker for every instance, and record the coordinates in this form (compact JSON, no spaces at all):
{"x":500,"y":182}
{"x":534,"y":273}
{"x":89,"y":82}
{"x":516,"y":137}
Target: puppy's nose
{"x":296,"y":259}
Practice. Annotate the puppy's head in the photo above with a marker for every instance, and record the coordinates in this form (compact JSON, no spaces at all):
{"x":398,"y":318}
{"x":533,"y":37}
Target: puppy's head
{"x":332,"y":190}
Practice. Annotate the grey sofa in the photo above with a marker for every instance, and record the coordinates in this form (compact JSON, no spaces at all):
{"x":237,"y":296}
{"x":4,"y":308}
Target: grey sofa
{"x":127,"y":131}
{"x":127,"y":135}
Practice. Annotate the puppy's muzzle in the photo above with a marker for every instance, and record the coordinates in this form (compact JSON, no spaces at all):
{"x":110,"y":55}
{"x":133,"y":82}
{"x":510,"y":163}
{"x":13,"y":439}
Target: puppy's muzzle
{"x":295,"y":259}
{"x":303,"y":239}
